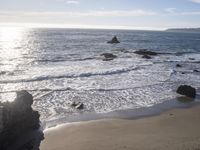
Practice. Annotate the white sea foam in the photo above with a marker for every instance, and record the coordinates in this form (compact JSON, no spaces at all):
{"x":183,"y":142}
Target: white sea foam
{"x":62,"y":67}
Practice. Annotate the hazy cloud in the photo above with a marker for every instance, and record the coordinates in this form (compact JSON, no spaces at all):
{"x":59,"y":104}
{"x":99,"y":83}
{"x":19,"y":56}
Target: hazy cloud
{"x":170,"y":10}
{"x":195,"y":1}
{"x":72,"y":2}
{"x":191,"y":13}
{"x":103,"y":13}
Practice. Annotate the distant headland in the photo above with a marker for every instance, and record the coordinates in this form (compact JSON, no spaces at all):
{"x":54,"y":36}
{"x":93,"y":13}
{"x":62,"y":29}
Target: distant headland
{"x":187,"y":30}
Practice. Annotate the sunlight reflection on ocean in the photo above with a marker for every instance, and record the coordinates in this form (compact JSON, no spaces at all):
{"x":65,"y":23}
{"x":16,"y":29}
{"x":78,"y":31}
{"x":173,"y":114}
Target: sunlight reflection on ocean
{"x":59,"y":66}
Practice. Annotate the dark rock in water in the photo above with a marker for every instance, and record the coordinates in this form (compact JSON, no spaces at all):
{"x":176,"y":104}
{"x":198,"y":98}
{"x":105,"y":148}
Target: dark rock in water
{"x":178,"y":65}
{"x":2,"y":72}
{"x":146,"y":56}
{"x":80,"y":106}
{"x":73,"y":104}
{"x":17,"y":118}
{"x":114,"y":40}
{"x":108,"y":56}
{"x":196,"y":70}
{"x":187,"y":91}
{"x":191,"y":58}
{"x":145,"y":52}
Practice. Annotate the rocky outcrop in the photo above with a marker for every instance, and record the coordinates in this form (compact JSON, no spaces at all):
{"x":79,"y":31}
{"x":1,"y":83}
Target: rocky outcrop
{"x":108,"y":56}
{"x":187,"y":91}
{"x":18,"y":118}
{"x":145,"y":52}
{"x":178,"y":66}
{"x":114,"y":40}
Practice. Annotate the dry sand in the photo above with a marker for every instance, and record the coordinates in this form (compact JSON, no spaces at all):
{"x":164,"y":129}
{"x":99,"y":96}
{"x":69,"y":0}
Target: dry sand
{"x":173,"y":130}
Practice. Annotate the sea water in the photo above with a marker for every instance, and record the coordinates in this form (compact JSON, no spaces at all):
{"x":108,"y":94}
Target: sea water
{"x":61,"y":66}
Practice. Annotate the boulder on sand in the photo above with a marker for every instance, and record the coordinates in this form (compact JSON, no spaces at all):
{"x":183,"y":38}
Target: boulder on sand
{"x":187,"y":91}
{"x":114,"y":40}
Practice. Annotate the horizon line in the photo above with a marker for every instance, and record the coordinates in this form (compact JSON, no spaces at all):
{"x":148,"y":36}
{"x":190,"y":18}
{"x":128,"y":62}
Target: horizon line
{"x":73,"y":26}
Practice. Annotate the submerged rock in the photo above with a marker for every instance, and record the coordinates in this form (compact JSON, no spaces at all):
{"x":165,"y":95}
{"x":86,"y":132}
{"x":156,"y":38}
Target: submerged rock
{"x":146,"y":56}
{"x":78,"y":105}
{"x":187,"y":91}
{"x":191,"y":58}
{"x":145,"y":52}
{"x":178,"y":66}
{"x":114,"y":40}
{"x":196,"y":70}
{"x":18,"y":117}
{"x":108,"y":56}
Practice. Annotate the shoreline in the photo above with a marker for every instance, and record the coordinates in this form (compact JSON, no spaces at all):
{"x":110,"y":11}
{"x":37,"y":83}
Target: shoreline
{"x":173,"y":129}
{"x":129,"y":114}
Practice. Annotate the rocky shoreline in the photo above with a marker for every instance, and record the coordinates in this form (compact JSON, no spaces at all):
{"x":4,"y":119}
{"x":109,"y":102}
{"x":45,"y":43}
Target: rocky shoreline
{"x":17,"y":119}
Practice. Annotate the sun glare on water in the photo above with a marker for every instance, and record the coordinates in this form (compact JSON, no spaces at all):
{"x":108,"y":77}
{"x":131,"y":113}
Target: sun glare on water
{"x":10,"y":42}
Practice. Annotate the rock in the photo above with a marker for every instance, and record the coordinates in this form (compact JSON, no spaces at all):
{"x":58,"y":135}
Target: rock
{"x":108,"y":56}
{"x":23,"y":101}
{"x":178,"y":66}
{"x":191,"y":58}
{"x":80,"y":106}
{"x":187,"y":91}
{"x":114,"y":40}
{"x":196,"y":70}
{"x":2,"y":72}
{"x":18,"y":118}
{"x":145,"y":52}
{"x":73,"y":104}
{"x":146,"y":56}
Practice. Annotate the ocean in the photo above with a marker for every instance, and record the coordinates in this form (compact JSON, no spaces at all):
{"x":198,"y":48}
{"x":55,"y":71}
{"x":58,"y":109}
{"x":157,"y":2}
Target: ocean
{"x":61,"y":66}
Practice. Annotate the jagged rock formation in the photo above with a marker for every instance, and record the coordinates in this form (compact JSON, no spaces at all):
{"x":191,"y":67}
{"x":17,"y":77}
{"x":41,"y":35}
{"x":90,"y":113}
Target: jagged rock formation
{"x":17,"y":118}
{"x":114,"y":40}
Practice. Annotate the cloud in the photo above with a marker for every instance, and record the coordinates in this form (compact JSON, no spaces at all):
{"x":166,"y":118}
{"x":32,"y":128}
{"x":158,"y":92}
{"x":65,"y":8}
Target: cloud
{"x":195,"y":1}
{"x":121,"y":13}
{"x":72,"y":2}
{"x":170,"y":10}
{"x":191,"y":13}
{"x":102,"y":13}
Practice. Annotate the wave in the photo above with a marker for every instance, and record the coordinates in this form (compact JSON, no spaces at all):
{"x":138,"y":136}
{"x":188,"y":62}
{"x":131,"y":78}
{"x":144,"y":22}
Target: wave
{"x":89,"y":74}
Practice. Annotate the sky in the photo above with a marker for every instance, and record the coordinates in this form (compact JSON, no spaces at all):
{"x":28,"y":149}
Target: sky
{"x":119,"y":14}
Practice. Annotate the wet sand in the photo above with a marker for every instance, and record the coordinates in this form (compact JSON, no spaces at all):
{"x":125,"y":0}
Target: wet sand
{"x":172,"y":130}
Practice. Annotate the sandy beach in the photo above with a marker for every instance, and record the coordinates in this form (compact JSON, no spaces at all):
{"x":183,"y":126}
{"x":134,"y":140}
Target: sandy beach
{"x":176,"y":129}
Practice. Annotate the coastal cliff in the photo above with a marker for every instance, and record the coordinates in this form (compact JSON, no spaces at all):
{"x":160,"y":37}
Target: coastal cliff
{"x":17,"y":118}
